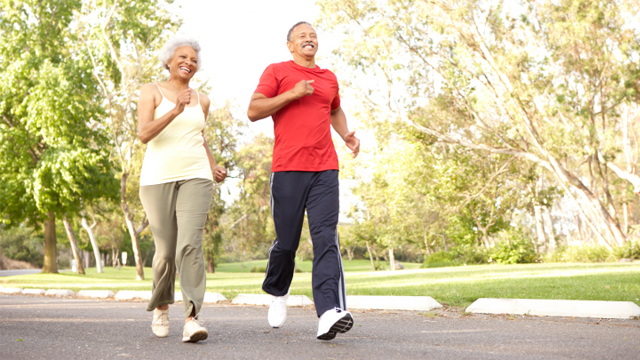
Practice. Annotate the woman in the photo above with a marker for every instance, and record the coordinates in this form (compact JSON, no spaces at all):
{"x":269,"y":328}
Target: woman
{"x":176,"y":184}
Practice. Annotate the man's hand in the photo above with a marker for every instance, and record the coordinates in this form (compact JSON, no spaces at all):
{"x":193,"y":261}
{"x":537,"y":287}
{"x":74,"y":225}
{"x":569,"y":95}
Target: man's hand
{"x":353,"y":143}
{"x":219,"y":173}
{"x":302,"y":88}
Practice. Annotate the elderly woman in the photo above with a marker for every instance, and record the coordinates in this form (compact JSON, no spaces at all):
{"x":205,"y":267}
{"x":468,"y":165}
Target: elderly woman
{"x":176,"y":184}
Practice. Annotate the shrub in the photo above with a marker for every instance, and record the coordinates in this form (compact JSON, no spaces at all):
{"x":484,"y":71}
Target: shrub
{"x":586,"y":254}
{"x":583,"y":254}
{"x":21,"y":244}
{"x":512,"y":248}
{"x":471,"y":254}
{"x":258,"y":269}
{"x":440,"y":259}
{"x":629,"y":250}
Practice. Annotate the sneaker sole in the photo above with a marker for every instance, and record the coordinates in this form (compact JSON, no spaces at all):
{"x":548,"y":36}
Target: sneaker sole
{"x":196,"y":336}
{"x":341,"y":326}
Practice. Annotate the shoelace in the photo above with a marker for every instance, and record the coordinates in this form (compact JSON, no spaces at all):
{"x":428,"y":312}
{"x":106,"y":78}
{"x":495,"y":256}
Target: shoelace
{"x":162,"y":319}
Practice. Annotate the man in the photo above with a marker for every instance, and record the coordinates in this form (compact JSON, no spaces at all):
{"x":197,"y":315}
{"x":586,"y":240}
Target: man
{"x":304,"y":103}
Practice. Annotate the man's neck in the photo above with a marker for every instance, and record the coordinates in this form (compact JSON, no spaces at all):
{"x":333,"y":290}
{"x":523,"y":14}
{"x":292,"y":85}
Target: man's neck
{"x":302,"y":61}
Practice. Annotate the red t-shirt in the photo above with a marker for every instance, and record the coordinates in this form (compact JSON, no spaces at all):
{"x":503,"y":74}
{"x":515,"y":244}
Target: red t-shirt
{"x":303,"y":127}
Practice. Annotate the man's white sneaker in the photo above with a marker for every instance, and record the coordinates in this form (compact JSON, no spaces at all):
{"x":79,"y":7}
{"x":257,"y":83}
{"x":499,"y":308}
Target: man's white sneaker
{"x":332,"y":322}
{"x":278,"y":311}
{"x":194,"y":332}
{"x":160,"y":323}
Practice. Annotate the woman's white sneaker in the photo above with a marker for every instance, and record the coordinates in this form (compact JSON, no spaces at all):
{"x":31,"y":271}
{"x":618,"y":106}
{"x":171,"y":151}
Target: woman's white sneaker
{"x":194,"y":332}
{"x":160,"y":323}
{"x":278,"y":311}
{"x":334,"y":321}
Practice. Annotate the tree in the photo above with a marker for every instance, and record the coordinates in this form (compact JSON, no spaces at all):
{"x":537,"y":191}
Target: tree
{"x":50,"y":155}
{"x":539,"y":80}
{"x":249,"y":226}
{"x":122,"y":40}
{"x":222,"y":132}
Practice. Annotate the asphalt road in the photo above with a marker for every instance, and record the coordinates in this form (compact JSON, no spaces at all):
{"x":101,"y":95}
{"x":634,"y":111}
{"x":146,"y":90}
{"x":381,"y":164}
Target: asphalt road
{"x":53,"y":328}
{"x":19,"y":272}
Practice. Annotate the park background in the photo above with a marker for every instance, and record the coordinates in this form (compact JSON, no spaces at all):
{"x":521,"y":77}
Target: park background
{"x":493,"y":133}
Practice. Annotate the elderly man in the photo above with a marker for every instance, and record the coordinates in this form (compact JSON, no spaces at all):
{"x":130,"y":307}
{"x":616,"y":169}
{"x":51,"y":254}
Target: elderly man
{"x":303,"y":101}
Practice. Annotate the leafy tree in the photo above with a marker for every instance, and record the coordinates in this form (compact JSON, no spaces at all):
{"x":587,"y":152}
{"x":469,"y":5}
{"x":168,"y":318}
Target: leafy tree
{"x":222,"y":133}
{"x":541,"y":81}
{"x":249,"y":226}
{"x":51,"y":161}
{"x":122,"y":40}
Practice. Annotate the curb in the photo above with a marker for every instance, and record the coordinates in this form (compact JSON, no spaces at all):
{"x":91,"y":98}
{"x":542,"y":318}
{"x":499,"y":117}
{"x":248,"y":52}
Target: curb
{"x":569,"y":308}
{"x":97,"y":294}
{"x":424,"y":303}
{"x":265,"y":299}
{"x":562,"y":308}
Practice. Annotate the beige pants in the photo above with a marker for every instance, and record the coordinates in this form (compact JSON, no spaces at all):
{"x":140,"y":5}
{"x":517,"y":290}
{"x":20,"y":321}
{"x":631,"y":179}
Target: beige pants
{"x":177,"y":213}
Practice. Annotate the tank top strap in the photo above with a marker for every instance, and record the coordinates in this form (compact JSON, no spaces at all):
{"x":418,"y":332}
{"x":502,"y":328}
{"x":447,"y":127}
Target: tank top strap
{"x":198,"y":95}
{"x":161,"y":93}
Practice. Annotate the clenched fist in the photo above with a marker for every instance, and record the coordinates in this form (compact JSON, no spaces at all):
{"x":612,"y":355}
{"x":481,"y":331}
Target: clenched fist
{"x":302,"y":88}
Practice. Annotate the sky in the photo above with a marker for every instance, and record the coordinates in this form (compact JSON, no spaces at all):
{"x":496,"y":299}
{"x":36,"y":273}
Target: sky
{"x":239,"y":39}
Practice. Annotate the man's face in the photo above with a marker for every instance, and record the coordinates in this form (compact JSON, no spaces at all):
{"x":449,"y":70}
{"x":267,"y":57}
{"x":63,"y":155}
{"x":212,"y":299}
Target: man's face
{"x":304,"y":41}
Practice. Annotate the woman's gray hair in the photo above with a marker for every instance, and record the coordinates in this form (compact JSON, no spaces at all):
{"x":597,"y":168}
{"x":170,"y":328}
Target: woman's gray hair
{"x":169,"y":50}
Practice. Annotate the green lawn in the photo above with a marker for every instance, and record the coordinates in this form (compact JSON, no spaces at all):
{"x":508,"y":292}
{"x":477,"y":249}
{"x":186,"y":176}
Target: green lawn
{"x":454,"y":286}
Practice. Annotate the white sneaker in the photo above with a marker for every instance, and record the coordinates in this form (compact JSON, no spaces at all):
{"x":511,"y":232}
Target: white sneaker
{"x":278,"y":311}
{"x":160,"y":323}
{"x":332,"y":322}
{"x":194,"y":332}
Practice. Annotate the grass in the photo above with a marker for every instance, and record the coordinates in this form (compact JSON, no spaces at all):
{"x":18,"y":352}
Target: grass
{"x":304,"y":266}
{"x":454,"y":286}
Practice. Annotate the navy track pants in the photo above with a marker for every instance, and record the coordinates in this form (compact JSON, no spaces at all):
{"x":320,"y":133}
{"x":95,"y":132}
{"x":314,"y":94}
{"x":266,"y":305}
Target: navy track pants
{"x":318,"y":192}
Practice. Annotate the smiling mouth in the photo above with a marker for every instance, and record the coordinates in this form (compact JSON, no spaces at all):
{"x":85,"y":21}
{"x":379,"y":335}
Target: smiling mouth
{"x":185,"y":69}
{"x":310,"y":45}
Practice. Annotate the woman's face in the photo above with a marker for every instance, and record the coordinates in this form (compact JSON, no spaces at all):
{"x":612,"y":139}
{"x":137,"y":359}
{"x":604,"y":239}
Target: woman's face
{"x":184,"y":63}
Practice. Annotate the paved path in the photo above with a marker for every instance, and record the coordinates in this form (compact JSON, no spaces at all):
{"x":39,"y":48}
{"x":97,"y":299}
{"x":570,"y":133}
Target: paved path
{"x":53,"y":328}
{"x":19,"y":272}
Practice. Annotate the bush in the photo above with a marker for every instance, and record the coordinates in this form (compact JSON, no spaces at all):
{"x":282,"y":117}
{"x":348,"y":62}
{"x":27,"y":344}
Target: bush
{"x":440,"y":259}
{"x":21,"y":244}
{"x":512,"y":248}
{"x":258,"y":269}
{"x":587,"y":254}
{"x":471,"y":254}
{"x":630,"y":250}
{"x":581,"y":254}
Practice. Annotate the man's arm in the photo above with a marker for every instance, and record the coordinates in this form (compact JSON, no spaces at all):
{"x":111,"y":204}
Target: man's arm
{"x":339,"y":123}
{"x":261,"y":106}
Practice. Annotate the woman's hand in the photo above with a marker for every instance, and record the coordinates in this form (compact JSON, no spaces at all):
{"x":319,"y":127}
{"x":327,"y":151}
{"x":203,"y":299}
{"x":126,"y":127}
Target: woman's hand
{"x":219,"y":173}
{"x":183,"y":99}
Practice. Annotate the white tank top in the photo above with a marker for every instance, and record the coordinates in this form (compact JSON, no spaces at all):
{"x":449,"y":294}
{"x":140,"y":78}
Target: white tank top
{"x":177,"y":152}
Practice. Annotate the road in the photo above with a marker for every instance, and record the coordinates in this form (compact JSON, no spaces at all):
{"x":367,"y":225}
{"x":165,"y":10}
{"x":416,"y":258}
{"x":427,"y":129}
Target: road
{"x":54,"y":328}
{"x":19,"y":272}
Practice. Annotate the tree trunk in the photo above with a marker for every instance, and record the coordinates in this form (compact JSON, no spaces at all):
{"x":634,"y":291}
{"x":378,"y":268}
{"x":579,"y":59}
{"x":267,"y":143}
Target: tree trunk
{"x":50,"y":263}
{"x":211,"y":264}
{"x":548,"y":225}
{"x":427,"y":248}
{"x":128,"y":218}
{"x":540,"y":244}
{"x":349,"y":253}
{"x":94,"y":243}
{"x":373,"y":266}
{"x":392,"y":260}
{"x":74,"y":245}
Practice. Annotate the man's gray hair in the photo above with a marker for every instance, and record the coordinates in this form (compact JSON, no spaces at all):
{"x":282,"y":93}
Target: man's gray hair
{"x":169,"y":50}
{"x":295,"y":26}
